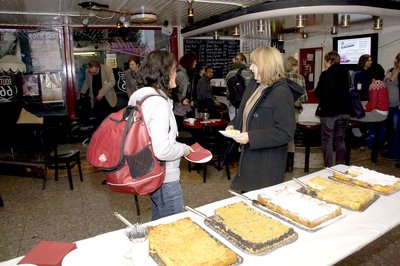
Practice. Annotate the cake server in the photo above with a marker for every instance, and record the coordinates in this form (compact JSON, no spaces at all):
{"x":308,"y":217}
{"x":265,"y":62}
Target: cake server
{"x":308,"y":190}
{"x":334,"y":170}
{"x":122,"y":219}
{"x":244,"y":197}
{"x":198,"y":213}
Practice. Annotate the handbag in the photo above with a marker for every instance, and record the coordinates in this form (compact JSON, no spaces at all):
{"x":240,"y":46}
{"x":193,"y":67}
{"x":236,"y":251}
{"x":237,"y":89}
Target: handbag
{"x":358,"y":109}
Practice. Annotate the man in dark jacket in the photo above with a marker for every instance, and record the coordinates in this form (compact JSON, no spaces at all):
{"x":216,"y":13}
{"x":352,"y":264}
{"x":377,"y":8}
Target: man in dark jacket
{"x":334,"y":108}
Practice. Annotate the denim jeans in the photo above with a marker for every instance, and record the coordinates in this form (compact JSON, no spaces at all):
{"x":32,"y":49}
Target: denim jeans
{"x":333,"y":132}
{"x":166,"y":200}
{"x":394,"y":132}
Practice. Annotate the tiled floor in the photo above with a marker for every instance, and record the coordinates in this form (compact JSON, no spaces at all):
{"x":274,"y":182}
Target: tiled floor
{"x":31,"y":214}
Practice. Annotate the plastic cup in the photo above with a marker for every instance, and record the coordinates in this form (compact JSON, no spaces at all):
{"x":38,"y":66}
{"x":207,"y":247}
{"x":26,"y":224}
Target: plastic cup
{"x":140,"y":251}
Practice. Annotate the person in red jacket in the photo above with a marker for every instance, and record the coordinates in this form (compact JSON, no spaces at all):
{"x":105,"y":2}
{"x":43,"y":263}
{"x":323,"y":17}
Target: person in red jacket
{"x":377,"y":107}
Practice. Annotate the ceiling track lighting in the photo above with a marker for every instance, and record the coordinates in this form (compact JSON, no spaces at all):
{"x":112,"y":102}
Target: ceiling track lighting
{"x":378,"y":23}
{"x":236,"y":33}
{"x":345,"y":21}
{"x":300,"y":21}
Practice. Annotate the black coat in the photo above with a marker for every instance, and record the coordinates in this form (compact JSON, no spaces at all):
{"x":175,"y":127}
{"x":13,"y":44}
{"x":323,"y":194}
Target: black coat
{"x":333,"y":92}
{"x":270,"y":125}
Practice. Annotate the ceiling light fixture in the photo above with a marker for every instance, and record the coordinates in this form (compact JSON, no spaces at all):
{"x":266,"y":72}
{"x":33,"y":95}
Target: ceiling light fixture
{"x":126,"y":24}
{"x":85,"y":22}
{"x":378,"y":23}
{"x":261,"y":26}
{"x":119,"y":25}
{"x":122,"y":19}
{"x":300,"y":21}
{"x":345,"y":21}
{"x":190,"y":13}
{"x":216,"y":35}
{"x":334,"y":30}
{"x":304,"y":35}
{"x":93,"y":5}
{"x":236,"y":33}
{"x":143,"y":17}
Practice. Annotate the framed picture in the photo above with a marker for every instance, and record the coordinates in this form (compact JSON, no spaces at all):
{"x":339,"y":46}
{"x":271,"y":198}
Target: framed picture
{"x":30,"y":86}
{"x":51,"y":88}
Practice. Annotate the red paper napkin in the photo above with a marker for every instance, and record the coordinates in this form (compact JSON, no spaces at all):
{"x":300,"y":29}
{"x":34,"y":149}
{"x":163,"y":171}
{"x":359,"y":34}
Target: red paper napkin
{"x":200,"y":155}
{"x":48,"y":253}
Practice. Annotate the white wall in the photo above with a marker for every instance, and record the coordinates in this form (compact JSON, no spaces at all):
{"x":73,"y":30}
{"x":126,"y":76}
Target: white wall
{"x":388,"y":44}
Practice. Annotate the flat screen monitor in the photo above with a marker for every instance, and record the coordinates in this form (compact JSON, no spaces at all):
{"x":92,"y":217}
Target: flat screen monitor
{"x":352,"y":47}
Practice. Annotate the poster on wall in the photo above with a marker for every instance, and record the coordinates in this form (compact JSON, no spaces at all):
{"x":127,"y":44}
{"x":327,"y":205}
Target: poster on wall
{"x":8,"y":42}
{"x":45,"y":51}
{"x":51,"y":89}
{"x":30,"y":86}
{"x":111,"y":60}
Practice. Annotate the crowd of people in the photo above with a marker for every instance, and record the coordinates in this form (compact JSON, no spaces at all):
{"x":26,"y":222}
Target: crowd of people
{"x":266,"y":117}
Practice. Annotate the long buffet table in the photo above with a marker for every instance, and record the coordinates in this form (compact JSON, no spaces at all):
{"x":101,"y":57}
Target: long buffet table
{"x":323,"y":247}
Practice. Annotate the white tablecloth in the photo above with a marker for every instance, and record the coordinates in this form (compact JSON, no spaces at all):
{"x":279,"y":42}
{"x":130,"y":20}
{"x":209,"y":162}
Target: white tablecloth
{"x":323,"y":247}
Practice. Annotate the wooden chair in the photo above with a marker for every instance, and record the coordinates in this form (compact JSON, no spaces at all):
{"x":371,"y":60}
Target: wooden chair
{"x":59,"y":160}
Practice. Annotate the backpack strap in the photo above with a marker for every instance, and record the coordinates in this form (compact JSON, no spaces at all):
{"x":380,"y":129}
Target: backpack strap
{"x":239,"y":72}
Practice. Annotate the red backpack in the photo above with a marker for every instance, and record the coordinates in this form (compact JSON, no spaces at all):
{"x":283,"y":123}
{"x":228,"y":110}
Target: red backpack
{"x":121,"y":147}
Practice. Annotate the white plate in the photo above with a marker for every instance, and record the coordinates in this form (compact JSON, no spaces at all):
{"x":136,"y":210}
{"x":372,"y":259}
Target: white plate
{"x":207,"y":159}
{"x":226,"y":134}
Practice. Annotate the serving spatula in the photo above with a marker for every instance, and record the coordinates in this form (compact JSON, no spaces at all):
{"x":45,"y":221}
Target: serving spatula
{"x":255,"y":202}
{"x":308,"y":190}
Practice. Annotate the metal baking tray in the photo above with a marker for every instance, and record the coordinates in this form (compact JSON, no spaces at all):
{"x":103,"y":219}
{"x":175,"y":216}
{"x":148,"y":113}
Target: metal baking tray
{"x":239,"y":259}
{"x":301,"y":190}
{"x":301,"y":226}
{"x":240,"y":245}
{"x":352,"y":184}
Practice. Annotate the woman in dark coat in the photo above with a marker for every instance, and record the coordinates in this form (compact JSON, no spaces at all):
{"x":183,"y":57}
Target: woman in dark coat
{"x":266,"y":121}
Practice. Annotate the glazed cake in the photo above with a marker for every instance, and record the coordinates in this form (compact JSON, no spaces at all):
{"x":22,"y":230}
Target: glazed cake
{"x":251,"y":230}
{"x":183,"y":242}
{"x":348,"y":196}
{"x":300,"y":208}
{"x":370,"y":179}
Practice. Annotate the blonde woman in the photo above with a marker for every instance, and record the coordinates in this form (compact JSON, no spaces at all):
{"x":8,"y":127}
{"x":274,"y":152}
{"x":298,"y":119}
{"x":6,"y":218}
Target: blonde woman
{"x":267,"y":123}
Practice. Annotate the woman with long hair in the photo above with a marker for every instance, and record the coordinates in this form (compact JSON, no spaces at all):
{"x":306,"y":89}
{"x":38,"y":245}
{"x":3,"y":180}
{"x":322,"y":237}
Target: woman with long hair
{"x":157,"y":77}
{"x":267,"y":123}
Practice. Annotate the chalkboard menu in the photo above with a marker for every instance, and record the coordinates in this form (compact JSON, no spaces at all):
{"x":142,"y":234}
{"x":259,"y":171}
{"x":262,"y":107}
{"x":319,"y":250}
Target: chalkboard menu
{"x":215,"y":53}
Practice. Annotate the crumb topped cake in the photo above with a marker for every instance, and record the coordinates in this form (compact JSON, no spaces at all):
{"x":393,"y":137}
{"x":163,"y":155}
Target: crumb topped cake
{"x":347,"y":196}
{"x":371,"y":179}
{"x":250,"y":229}
{"x":300,"y":208}
{"x":183,"y":242}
